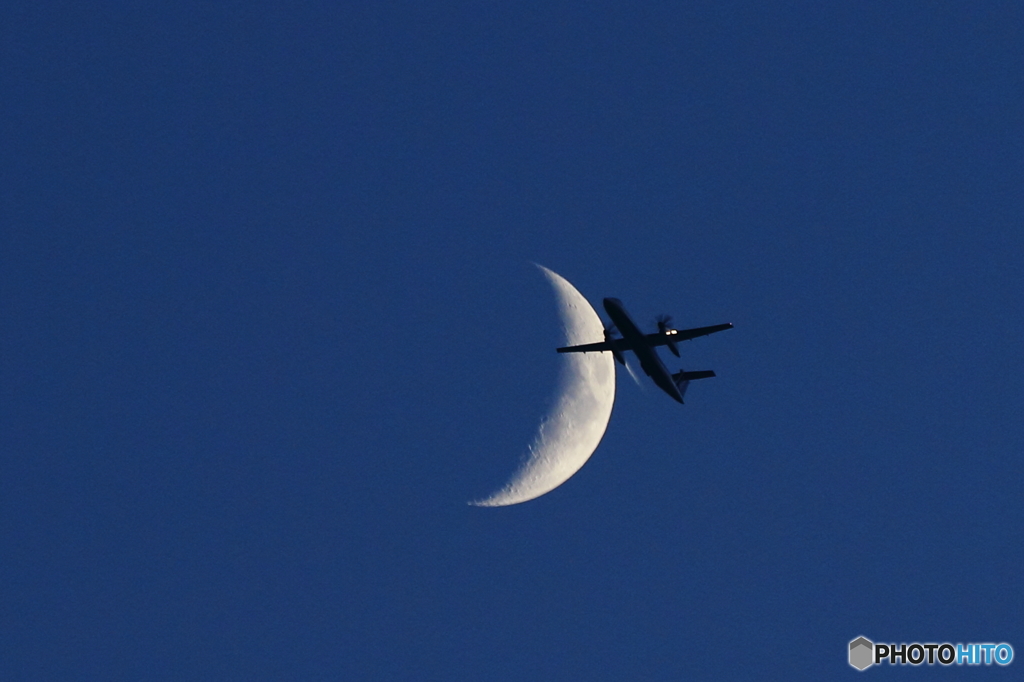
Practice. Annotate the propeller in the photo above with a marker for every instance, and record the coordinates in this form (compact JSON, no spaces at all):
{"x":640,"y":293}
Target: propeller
{"x":664,"y":325}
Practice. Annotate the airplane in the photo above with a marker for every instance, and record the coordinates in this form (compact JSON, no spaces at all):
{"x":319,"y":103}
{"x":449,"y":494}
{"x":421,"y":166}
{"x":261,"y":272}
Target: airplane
{"x":643,"y":346}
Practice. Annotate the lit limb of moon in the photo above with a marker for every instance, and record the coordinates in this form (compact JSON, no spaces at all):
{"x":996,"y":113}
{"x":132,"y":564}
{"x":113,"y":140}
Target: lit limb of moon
{"x":572,"y":430}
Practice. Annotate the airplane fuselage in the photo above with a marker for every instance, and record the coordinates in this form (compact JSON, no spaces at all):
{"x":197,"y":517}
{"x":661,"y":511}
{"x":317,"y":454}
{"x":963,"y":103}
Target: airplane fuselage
{"x":645,"y":353}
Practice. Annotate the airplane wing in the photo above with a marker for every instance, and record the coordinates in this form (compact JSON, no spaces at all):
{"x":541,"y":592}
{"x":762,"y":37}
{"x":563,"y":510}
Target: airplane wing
{"x":655,"y":339}
{"x":613,"y":345}
{"x":672,"y":335}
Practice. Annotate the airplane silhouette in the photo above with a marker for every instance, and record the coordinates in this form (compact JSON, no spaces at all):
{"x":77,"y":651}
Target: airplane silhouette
{"x":643,"y":346}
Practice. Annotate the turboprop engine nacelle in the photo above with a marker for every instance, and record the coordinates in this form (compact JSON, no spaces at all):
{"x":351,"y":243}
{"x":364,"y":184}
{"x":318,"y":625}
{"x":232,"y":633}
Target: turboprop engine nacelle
{"x":668,"y":333}
{"x":616,"y":353}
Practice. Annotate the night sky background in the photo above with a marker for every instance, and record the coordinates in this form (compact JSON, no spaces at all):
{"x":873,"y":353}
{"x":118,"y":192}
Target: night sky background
{"x":269,"y":319}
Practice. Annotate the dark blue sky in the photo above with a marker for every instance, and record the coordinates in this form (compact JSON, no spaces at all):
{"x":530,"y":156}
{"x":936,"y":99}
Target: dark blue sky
{"x":268,"y":321}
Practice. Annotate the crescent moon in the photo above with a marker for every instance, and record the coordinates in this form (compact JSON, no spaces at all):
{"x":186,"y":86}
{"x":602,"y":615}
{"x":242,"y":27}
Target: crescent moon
{"x":573,"y":429}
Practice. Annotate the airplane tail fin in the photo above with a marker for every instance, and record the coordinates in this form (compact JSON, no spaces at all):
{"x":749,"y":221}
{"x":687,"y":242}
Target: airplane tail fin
{"x":683,"y":378}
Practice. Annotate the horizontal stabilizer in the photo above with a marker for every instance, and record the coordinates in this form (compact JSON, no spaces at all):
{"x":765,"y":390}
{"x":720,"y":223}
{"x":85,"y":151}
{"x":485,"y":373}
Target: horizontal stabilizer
{"x":683,"y":379}
{"x":690,"y":376}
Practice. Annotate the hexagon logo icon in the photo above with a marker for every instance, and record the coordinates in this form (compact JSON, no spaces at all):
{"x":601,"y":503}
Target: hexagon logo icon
{"x":862,"y":653}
